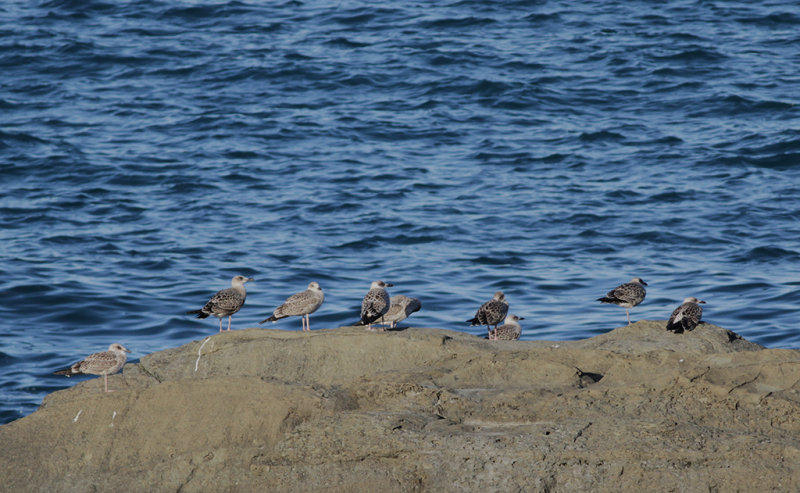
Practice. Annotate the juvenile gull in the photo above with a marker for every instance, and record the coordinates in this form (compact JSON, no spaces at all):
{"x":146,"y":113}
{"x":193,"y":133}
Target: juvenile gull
{"x":226,"y":302}
{"x":105,"y":363}
{"x":509,"y":331}
{"x":400,"y":308}
{"x":687,"y":316}
{"x":375,"y":304}
{"x":492,"y":312}
{"x":627,"y":295}
{"x":303,"y":304}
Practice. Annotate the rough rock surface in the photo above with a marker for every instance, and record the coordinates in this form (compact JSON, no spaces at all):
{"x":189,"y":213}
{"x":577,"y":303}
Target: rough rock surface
{"x":347,"y":410}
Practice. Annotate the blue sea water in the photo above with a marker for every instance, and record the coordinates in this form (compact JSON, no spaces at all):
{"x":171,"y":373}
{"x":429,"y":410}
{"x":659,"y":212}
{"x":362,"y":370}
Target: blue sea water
{"x":152,"y":149}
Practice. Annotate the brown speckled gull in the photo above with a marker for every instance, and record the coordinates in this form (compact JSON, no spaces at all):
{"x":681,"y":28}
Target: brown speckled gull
{"x":400,"y":308}
{"x":226,"y":302}
{"x":509,"y":331}
{"x":304,"y":304}
{"x":627,"y":295}
{"x":105,"y":363}
{"x":492,"y":312}
{"x":687,"y":316}
{"x":375,"y":303}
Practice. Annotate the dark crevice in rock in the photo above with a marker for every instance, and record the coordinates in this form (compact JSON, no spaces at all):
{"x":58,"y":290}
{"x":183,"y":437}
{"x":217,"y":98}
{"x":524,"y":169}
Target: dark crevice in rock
{"x":586,"y":378}
{"x":152,"y":374}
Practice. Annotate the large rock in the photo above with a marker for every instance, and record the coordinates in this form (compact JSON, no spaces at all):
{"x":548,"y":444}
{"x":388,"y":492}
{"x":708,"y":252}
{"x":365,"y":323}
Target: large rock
{"x":424,"y":410}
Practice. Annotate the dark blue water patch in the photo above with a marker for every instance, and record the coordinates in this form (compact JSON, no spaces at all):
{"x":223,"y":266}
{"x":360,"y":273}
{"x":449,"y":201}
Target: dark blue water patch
{"x":582,"y":219}
{"x":28,"y":290}
{"x":777,"y":20}
{"x":783,"y":161}
{"x":5,"y":359}
{"x":14,"y":139}
{"x":91,"y":6}
{"x":791,"y":297}
{"x":739,"y":287}
{"x":205,"y":15}
{"x":694,"y":54}
{"x":674,"y":196}
{"x":767,"y":254}
{"x":736,"y":104}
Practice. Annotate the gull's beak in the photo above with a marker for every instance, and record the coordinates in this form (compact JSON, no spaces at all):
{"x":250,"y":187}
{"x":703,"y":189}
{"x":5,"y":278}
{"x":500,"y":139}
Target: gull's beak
{"x":388,"y":284}
{"x":701,"y":301}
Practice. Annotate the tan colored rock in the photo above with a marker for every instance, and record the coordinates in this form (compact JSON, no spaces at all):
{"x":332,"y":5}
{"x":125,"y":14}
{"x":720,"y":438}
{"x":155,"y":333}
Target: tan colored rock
{"x":635,"y":409}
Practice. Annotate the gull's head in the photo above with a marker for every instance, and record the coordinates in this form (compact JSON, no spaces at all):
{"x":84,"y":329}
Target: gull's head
{"x":118,"y":347}
{"x":512,"y":319}
{"x":639,"y":280}
{"x":380,"y":285}
{"x":499,"y":296}
{"x":314,"y":286}
{"x":239,"y":280}
{"x":692,"y":299}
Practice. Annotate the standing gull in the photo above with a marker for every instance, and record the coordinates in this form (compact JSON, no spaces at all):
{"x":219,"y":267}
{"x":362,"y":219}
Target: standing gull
{"x":509,"y":331}
{"x":375,"y":303}
{"x":627,"y":295}
{"x":226,"y":302}
{"x":492,"y":312}
{"x":687,"y":316}
{"x":401,"y":308}
{"x":303,"y":304}
{"x":105,"y":363}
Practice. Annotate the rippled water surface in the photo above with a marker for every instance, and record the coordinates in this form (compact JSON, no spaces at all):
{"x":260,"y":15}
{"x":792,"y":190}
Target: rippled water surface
{"x":150,"y":150}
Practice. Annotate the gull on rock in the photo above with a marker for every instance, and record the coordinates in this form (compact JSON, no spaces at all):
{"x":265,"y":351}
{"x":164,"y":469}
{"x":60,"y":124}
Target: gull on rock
{"x":509,"y":331}
{"x":226,"y":302}
{"x":626,"y":295}
{"x":492,"y":312}
{"x":687,"y":316}
{"x":375,"y":304}
{"x":400,"y":308}
{"x":104,"y":363}
{"x":303,"y":304}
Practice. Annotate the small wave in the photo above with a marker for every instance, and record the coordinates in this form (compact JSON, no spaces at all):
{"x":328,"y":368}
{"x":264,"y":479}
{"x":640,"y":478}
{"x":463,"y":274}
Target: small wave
{"x":75,"y":47}
{"x":241,"y":178}
{"x":211,"y":13}
{"x":459,"y":23}
{"x":539,"y":18}
{"x":782,"y":161}
{"x":694,"y":54}
{"x":602,"y":135}
{"x":367,"y":243}
{"x":347,"y":43}
{"x":583,"y":218}
{"x":12,"y":139}
{"x":767,"y":254}
{"x":80,"y":6}
{"x":29,"y":289}
{"x":498,"y":259}
{"x":740,"y":287}
{"x":775,"y":19}
{"x":673,"y":196}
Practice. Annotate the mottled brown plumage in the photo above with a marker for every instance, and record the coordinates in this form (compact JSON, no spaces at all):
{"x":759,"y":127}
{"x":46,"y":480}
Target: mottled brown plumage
{"x":375,"y":303}
{"x":509,"y":331}
{"x":400,"y":308}
{"x":104,"y":363}
{"x":492,"y":312}
{"x":226,"y":302}
{"x":303,"y":304}
{"x":686,"y":317}
{"x":626,"y":295}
